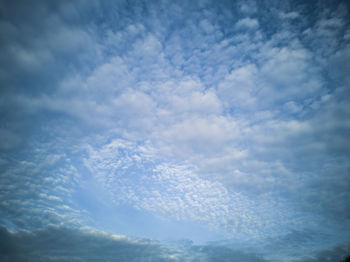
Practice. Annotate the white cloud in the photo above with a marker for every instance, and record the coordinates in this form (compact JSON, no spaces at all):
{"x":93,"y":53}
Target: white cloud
{"x":290,"y":15}
{"x":178,"y":192}
{"x":36,"y":192}
{"x":239,"y":87}
{"x":248,"y":7}
{"x":198,"y":136}
{"x":247,"y":23}
{"x":293,"y":107}
{"x":242,"y":129}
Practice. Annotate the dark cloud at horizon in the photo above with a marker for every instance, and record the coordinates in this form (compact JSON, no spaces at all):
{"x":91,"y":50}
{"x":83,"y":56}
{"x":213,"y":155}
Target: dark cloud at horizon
{"x":64,"y":244}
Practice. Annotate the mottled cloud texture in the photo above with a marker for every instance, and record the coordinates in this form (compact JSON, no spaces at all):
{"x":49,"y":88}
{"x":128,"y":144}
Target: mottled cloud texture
{"x":200,"y":130}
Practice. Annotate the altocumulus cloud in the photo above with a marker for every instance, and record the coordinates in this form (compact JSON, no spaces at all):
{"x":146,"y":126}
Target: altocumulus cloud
{"x":169,"y":120}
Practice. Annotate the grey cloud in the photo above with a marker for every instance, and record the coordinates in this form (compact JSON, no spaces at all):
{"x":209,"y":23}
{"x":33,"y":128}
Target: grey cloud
{"x":66,"y":244}
{"x":296,"y":243}
{"x":63,"y":244}
{"x":335,"y":254}
{"x":42,"y":43}
{"x":226,"y":254}
{"x":40,"y":37}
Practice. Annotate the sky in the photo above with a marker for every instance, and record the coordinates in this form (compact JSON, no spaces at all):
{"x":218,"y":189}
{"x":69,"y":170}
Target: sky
{"x":200,"y":131}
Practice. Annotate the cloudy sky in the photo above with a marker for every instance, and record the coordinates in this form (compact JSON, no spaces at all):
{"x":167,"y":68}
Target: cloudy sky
{"x":174,"y":130}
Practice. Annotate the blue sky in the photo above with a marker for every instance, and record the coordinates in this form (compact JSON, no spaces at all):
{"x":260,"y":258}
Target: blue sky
{"x":174,"y":130}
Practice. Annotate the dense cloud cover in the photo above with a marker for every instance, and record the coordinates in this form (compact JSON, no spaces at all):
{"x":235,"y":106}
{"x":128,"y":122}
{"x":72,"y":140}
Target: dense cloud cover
{"x":224,"y":123}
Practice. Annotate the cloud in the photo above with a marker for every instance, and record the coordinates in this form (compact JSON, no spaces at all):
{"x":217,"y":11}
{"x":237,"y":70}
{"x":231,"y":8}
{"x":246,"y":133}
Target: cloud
{"x":63,"y":244}
{"x":247,"y":23}
{"x":248,"y":7}
{"x":66,"y":244}
{"x":134,"y":174}
{"x":37,"y":191}
{"x":222,"y":253}
{"x":226,"y":115}
{"x":337,"y":253}
{"x":174,"y":191}
{"x":290,"y":15}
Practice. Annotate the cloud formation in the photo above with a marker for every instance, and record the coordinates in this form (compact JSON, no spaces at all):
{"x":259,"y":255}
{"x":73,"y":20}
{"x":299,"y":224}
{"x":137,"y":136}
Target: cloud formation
{"x":231,"y":116}
{"x":64,"y":244}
